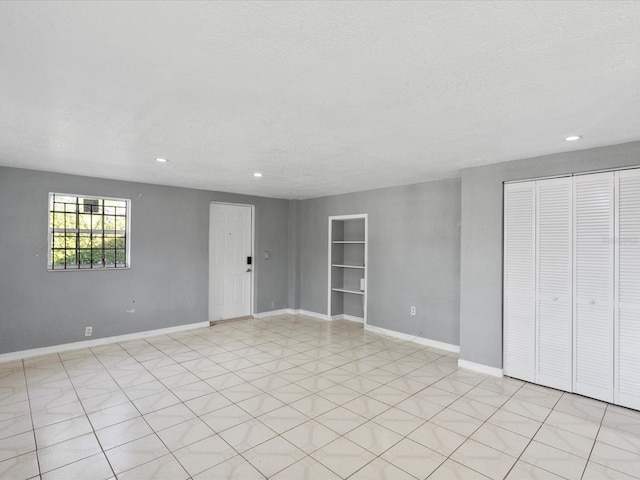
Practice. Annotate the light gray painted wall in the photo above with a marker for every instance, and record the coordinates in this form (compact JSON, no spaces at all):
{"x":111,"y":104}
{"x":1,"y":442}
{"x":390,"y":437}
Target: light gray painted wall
{"x":414,"y":255}
{"x":294,"y":254}
{"x":481,"y":242}
{"x":168,"y":280}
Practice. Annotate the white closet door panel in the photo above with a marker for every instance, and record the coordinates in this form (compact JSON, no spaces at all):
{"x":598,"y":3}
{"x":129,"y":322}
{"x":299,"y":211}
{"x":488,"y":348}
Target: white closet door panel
{"x":628,"y":357}
{"x":555,"y":353}
{"x":628,"y":290}
{"x":519,"y":280}
{"x":554,"y":283}
{"x":593,"y":367}
{"x":593,"y":285}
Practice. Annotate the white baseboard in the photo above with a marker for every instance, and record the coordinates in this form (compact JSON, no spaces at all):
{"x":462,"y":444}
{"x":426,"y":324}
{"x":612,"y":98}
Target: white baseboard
{"x":350,"y":318}
{"x":412,"y":338}
{"x":273,"y":313}
{"x":308,"y":313}
{"x":65,"y":347}
{"x":480,"y":368}
{"x":294,"y":311}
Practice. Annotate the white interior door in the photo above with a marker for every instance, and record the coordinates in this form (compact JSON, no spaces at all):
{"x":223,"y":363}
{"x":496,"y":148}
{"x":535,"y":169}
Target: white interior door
{"x":627,"y":339}
{"x":519,"y":280}
{"x":593,"y":285}
{"x":230,"y":274}
{"x":554,"y":338}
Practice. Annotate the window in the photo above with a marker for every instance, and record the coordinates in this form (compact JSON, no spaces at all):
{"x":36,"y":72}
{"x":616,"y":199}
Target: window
{"x":88,"y":233}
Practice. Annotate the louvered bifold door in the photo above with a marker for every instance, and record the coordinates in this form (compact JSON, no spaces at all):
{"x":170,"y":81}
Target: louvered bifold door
{"x":593,"y":285}
{"x":554,"y":338}
{"x":519,"y":280}
{"x":627,"y":332}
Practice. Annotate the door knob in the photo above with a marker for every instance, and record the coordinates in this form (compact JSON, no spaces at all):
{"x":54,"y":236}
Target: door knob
{"x":592,"y":302}
{"x":248,"y":269}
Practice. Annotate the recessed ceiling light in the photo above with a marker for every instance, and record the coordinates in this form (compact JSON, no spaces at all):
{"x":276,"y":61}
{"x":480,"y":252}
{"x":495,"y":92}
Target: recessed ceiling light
{"x":573,"y":138}
{"x":161,"y":160}
{"x":257,"y":174}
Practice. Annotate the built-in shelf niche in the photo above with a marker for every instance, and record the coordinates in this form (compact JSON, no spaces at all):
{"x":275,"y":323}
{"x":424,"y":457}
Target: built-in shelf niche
{"x":347,"y":296}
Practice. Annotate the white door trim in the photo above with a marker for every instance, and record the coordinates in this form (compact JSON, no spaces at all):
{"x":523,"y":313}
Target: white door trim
{"x":254,"y":263}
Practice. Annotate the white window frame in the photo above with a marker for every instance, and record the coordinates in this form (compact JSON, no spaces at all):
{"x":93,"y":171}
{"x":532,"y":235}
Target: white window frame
{"x":91,"y":268}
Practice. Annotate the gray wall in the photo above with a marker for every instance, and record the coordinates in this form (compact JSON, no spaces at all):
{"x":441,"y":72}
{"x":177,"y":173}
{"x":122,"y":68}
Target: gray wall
{"x":481,"y":241}
{"x":167,"y":284}
{"x":414,"y":256}
{"x":417,"y":255}
{"x":294,"y":254}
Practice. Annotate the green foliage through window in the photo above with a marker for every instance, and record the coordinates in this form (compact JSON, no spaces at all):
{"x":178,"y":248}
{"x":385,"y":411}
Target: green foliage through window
{"x":88,"y":232}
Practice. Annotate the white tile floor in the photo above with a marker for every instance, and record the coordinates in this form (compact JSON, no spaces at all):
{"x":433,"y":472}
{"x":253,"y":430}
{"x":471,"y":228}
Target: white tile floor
{"x":295,"y":398}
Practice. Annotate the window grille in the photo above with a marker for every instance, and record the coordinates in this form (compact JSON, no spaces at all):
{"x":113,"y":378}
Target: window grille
{"x":88,"y":232}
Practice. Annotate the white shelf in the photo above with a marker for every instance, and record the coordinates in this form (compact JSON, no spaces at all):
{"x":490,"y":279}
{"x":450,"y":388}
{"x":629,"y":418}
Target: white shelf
{"x":346,"y":290}
{"x":347,"y":266}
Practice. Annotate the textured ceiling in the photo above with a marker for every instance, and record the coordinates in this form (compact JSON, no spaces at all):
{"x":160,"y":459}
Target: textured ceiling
{"x":322,"y":97}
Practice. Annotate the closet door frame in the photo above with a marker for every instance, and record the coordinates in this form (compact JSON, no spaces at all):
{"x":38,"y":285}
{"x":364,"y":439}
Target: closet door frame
{"x":616,"y":292}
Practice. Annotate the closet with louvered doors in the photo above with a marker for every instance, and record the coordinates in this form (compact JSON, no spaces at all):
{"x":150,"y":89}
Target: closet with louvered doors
{"x":572,"y":284}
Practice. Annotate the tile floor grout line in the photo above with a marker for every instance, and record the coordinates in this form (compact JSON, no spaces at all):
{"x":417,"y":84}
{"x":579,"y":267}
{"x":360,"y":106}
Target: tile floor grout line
{"x":93,"y":430}
{"x":468,"y":437}
{"x":405,"y":437}
{"x":519,"y":458}
{"x":35,"y":442}
{"x":325,"y":363}
{"x":217,"y":433}
{"x":145,"y":420}
{"x":593,"y":446}
{"x":596,"y":440}
{"x":103,"y":450}
{"x":158,"y":436}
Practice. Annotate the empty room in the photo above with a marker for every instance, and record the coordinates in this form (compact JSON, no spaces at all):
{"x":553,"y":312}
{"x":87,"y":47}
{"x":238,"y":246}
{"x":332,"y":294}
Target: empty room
{"x":319,"y":240}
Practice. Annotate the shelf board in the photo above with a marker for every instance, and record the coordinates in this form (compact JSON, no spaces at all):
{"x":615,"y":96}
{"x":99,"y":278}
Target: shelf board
{"x":357,"y":242}
{"x":348,"y":266}
{"x":346,"y":290}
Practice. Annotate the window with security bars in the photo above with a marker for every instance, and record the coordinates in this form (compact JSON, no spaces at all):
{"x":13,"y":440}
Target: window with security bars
{"x":88,"y":232}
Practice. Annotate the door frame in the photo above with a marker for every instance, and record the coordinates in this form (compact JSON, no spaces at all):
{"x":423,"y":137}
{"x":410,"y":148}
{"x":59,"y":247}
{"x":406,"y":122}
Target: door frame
{"x":254,"y":263}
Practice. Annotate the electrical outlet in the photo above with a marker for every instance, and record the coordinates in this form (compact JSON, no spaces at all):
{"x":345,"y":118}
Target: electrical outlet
{"x":88,"y":331}
{"x":413,"y":310}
